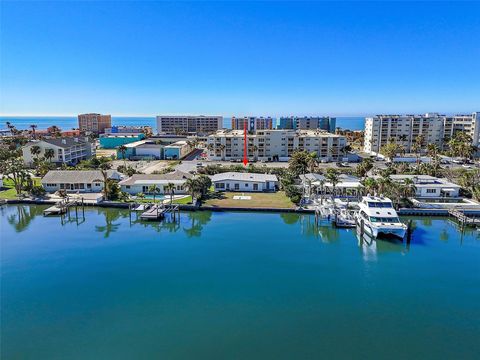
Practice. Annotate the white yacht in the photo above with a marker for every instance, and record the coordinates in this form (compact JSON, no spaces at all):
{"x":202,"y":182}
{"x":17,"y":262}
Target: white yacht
{"x":378,"y":218}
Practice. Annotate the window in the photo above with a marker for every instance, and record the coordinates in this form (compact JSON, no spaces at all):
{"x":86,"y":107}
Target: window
{"x":431,"y":191}
{"x":237,"y":186}
{"x":127,"y":187}
{"x":255,"y":187}
{"x":220,"y":185}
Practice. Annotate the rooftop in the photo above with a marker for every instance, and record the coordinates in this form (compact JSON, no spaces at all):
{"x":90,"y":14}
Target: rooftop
{"x":78,"y":176}
{"x":244,"y":177}
{"x":156,"y":178}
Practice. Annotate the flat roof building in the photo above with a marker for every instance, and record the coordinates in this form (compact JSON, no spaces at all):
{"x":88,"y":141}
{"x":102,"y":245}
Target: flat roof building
{"x":94,"y":123}
{"x":188,"y":124}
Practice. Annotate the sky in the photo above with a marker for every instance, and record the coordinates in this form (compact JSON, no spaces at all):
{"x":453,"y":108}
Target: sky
{"x":239,"y":58}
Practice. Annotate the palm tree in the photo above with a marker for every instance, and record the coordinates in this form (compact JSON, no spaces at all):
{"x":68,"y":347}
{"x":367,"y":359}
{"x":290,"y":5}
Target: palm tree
{"x":123,"y":151}
{"x":222,"y":149}
{"x":409,"y":188}
{"x":49,"y":154}
{"x":370,"y":185}
{"x":171,"y":189}
{"x":106,"y":184}
{"x":333,"y":178}
{"x":33,"y":127}
{"x":35,"y":150}
{"x":153,"y":189}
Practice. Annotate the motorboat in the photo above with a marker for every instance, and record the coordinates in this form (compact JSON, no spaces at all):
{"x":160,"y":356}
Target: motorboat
{"x":377,"y":218}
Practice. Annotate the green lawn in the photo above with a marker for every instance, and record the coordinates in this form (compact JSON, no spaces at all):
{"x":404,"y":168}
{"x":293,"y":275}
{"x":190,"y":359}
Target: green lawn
{"x":257,"y":201}
{"x":10,"y":193}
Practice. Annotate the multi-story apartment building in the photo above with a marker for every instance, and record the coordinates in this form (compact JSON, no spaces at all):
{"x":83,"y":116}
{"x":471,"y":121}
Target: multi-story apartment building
{"x":274,"y":145}
{"x":186,"y":124}
{"x":65,"y":150}
{"x":405,"y":129}
{"x":463,"y":123}
{"x":253,"y":123}
{"x":94,"y":123}
{"x":326,"y":123}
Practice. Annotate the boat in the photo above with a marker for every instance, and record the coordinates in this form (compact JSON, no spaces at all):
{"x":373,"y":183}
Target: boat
{"x":377,"y":218}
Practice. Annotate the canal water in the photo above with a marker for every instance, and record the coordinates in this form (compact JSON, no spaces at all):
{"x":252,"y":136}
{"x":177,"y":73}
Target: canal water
{"x":232,"y":285}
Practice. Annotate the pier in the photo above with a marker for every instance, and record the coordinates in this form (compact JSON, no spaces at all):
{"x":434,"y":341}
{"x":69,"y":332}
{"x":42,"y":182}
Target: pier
{"x":156,"y":211}
{"x":464,"y":219}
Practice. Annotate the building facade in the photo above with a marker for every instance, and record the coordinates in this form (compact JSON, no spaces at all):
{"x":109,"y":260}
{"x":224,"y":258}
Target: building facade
{"x":77,"y":180}
{"x":94,"y":123}
{"x":326,"y":123}
{"x":142,"y":183}
{"x":245,"y":182}
{"x":252,"y":123}
{"x":404,"y":129}
{"x":274,"y":145}
{"x":112,"y":140}
{"x":63,"y":150}
{"x":189,"y":124}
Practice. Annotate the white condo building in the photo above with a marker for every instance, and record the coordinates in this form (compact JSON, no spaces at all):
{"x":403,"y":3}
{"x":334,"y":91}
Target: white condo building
{"x":274,"y":145}
{"x":404,"y":129}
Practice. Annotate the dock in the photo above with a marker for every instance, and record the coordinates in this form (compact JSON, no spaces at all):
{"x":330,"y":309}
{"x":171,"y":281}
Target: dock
{"x":464,"y":219}
{"x":154,"y":212}
{"x":59,"y":208}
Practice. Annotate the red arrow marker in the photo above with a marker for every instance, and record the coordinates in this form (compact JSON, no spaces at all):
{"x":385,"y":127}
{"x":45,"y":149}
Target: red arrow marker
{"x":245,"y":158}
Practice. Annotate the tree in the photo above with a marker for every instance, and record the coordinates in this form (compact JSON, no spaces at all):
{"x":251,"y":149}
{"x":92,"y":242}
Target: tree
{"x":13,"y":168}
{"x":390,"y":150}
{"x":364,"y":167}
{"x":123,"y":151}
{"x":35,"y":151}
{"x":153,"y":189}
{"x":49,"y":154}
{"x":33,"y":127}
{"x":370,"y":185}
{"x":332,"y":176}
{"x":417,"y":147}
{"x":106,"y":183}
{"x":170,"y":188}
{"x":301,"y":161}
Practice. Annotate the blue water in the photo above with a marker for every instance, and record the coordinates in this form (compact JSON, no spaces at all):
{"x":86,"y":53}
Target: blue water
{"x":67,"y":123}
{"x":233,"y":286}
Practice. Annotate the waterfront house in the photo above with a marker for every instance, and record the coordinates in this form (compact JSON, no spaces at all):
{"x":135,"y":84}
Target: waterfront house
{"x":65,"y":150}
{"x":77,"y":180}
{"x":141,"y":183}
{"x":245,"y":182}
{"x":315,"y":185}
{"x":430,"y":187}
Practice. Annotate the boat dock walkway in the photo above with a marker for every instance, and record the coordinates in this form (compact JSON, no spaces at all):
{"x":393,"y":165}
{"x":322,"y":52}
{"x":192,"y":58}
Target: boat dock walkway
{"x":464,"y":219}
{"x":154,"y":212}
{"x":60,"y":208}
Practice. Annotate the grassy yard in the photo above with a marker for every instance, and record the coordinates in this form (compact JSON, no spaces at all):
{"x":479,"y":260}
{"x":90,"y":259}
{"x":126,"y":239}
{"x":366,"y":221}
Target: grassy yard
{"x":258,"y":200}
{"x":9,"y":193}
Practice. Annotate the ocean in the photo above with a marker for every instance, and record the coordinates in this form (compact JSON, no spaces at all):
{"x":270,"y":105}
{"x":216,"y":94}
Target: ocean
{"x":70,"y":122}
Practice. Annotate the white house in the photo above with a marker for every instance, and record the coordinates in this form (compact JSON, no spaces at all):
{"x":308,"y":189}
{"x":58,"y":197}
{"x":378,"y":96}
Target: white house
{"x":141,"y":183}
{"x":65,"y":150}
{"x":77,"y":180}
{"x":429,"y":186}
{"x":236,"y":181}
{"x":317,"y":184}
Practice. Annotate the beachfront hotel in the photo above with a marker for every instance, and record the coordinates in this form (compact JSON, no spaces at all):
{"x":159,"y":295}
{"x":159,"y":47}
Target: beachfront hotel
{"x":274,"y":145}
{"x":187,"y":124}
{"x":326,"y":123}
{"x":253,"y":123}
{"x":94,"y":123}
{"x":404,"y":129}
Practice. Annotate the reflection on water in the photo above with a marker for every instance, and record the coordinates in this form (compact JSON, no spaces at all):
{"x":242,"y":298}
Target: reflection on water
{"x":194,"y":223}
{"x":22,"y":216}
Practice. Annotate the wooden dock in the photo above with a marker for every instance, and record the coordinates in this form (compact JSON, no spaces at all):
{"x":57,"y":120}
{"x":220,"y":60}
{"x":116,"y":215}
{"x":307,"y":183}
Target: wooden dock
{"x":464,"y":219}
{"x":154,"y":212}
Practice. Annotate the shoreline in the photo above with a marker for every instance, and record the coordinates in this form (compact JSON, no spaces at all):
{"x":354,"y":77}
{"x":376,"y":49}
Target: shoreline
{"x":183,"y":207}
